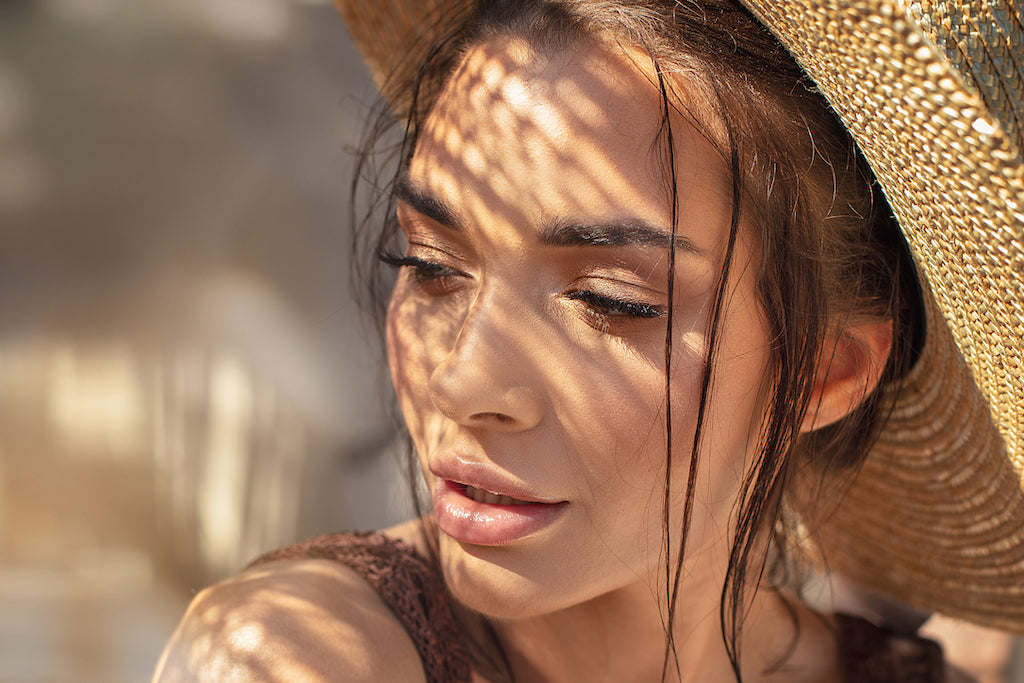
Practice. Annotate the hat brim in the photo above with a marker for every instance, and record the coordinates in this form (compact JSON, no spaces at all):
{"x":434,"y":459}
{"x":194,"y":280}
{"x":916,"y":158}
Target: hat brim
{"x":936,"y":515}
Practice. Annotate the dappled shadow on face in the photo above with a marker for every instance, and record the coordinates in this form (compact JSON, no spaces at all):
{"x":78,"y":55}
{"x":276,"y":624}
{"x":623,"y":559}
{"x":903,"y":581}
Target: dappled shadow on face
{"x":534,"y":342}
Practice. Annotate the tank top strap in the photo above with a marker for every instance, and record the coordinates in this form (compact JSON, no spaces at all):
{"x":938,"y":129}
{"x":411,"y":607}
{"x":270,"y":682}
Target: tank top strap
{"x":410,"y":586}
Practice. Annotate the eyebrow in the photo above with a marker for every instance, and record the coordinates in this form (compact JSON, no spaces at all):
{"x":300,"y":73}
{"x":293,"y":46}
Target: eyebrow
{"x":627,"y":233}
{"x":422,"y":202}
{"x":563,"y":233}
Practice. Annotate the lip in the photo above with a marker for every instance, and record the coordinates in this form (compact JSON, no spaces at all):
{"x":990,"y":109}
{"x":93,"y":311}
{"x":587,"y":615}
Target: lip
{"x":488,"y":524}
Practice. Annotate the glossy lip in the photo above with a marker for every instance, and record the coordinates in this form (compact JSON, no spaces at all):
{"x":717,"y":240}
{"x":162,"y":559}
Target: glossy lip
{"x":469,"y":521}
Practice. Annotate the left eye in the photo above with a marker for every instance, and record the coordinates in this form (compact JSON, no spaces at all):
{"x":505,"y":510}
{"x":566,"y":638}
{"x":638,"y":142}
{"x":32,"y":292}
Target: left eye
{"x":428,"y":275}
{"x":612,"y":307}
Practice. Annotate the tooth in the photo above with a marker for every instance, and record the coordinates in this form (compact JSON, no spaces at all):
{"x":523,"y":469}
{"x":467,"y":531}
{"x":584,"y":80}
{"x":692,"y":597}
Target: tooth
{"x":484,"y":496}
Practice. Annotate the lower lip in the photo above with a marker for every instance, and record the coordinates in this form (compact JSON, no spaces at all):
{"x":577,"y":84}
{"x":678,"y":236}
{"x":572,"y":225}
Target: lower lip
{"x":469,"y":521}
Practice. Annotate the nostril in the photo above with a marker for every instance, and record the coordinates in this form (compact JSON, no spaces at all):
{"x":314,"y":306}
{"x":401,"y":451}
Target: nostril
{"x":482,"y":394}
{"x":500,"y":417}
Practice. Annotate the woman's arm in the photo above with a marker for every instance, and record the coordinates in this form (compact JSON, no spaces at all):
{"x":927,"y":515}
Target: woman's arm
{"x":296,"y":620}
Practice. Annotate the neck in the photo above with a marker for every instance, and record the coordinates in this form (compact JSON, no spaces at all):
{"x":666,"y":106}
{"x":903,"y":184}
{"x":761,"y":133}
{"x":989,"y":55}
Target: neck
{"x":620,"y":636}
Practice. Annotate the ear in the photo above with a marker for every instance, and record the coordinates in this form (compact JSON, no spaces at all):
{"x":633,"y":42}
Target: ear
{"x":850,"y":366}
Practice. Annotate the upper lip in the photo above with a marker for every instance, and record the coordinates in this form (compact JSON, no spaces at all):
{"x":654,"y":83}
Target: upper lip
{"x":482,"y":475}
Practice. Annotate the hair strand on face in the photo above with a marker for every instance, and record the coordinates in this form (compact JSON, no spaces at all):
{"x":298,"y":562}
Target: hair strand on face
{"x":826,"y":241}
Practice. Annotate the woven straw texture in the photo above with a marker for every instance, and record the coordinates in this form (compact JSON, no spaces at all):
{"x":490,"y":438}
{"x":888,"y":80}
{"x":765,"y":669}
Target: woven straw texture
{"x":933,"y":91}
{"x":389,"y":35}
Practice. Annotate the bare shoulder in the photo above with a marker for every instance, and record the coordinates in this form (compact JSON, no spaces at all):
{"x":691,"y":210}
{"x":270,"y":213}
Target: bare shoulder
{"x":293,"y":620}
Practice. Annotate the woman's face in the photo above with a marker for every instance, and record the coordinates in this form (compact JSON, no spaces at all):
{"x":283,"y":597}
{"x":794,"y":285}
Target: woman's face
{"x":527,"y":330}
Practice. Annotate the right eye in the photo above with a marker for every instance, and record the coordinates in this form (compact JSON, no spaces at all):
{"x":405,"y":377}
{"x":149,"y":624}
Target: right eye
{"x":431,"y":276}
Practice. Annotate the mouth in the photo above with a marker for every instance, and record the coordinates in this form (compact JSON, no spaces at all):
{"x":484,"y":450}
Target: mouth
{"x":474,"y":515}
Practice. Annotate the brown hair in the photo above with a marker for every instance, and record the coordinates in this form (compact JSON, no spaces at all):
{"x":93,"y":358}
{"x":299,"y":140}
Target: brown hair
{"x":828,"y":243}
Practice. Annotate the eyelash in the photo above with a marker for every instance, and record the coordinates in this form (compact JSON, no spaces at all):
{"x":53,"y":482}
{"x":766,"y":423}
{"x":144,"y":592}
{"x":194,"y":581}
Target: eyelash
{"x":605,"y":307}
{"x":423,"y":271}
{"x":610,"y":307}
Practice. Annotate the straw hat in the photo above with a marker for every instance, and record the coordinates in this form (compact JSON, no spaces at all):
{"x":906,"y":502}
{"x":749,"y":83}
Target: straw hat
{"x":933,"y":92}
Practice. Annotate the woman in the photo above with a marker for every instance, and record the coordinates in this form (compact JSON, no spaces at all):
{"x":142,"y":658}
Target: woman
{"x":659,"y":348}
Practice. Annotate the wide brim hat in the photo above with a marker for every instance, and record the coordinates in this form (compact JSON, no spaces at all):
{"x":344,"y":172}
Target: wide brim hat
{"x":933,"y":93}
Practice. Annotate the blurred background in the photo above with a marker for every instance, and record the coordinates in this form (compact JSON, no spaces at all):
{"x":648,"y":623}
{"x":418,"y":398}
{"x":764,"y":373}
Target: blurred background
{"x":184,"y":378}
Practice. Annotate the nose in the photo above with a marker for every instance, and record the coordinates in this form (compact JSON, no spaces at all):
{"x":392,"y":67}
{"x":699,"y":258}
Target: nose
{"x":485,"y":380}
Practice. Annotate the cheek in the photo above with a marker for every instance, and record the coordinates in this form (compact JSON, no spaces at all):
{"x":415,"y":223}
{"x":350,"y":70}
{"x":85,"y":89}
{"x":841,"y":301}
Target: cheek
{"x":618,"y":423}
{"x":735,"y":412}
{"x":410,"y":347}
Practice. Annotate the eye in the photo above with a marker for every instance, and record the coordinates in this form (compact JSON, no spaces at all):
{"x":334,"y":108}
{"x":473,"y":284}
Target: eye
{"x":431,"y":276}
{"x":610,"y":307}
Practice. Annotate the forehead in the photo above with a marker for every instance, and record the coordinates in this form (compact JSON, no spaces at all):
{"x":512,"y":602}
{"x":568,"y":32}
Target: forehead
{"x":561,"y":132}
{"x":578,"y":87}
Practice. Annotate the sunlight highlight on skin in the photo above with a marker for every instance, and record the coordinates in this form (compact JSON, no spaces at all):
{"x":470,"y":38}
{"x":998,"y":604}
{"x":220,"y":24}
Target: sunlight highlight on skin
{"x":695,"y":343}
{"x":558,"y":142}
{"x":303,"y":620}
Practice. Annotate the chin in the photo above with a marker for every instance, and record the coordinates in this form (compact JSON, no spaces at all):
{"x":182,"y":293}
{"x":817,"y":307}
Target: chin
{"x":481,"y":581}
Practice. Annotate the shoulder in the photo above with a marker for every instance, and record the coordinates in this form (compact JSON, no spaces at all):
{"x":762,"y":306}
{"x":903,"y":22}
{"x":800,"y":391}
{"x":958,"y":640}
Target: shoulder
{"x":294,"y":620}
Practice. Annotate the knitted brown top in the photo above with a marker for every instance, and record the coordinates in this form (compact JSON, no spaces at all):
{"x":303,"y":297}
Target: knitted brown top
{"x":871,"y":654}
{"x":414,"y":590}
{"x":408,"y":584}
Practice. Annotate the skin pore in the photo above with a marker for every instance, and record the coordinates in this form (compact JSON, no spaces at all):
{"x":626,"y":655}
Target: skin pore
{"x":526,"y":340}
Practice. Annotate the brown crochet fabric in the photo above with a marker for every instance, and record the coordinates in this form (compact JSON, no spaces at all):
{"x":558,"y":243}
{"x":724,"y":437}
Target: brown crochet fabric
{"x":871,"y":654}
{"x":416,"y":593}
{"x":408,"y":584}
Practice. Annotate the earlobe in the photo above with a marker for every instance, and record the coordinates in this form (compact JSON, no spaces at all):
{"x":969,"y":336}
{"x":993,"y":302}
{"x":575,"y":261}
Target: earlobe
{"x":849,"y":369}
